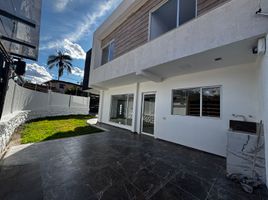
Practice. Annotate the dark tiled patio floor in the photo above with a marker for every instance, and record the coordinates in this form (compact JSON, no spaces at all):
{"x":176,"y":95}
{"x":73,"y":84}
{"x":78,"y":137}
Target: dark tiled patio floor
{"x":116,"y":165}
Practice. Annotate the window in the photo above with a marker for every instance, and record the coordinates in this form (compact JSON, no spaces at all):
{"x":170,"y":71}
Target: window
{"x":187,"y":11}
{"x":171,"y":15}
{"x":197,"y":102}
{"x":107,"y":53}
{"x":61,"y":86}
{"x":211,"y":102}
{"x":122,"y":109}
{"x":186,"y":102}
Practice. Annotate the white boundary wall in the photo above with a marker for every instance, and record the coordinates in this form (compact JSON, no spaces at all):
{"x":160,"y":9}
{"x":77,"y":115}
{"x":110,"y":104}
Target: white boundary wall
{"x":22,"y":104}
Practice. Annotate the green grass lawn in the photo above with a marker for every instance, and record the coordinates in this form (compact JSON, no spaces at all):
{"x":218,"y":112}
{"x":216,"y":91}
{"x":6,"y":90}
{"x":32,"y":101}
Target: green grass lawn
{"x":56,"y":127}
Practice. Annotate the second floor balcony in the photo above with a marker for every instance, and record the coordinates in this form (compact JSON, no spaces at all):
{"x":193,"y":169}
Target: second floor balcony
{"x":233,"y":23}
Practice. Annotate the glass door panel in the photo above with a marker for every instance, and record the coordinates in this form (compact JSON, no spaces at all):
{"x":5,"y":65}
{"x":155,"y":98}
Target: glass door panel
{"x":148,"y":113}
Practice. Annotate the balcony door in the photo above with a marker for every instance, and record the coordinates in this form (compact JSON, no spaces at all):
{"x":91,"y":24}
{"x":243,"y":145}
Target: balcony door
{"x":148,"y":113}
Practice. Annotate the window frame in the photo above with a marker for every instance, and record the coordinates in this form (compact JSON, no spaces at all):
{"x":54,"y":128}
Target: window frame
{"x":201,"y":101}
{"x":109,"y":51}
{"x":110,"y":111}
{"x":158,"y":6}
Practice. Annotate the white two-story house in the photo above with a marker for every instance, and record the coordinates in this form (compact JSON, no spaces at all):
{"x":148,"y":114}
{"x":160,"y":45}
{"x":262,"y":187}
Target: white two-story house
{"x":179,"y":70}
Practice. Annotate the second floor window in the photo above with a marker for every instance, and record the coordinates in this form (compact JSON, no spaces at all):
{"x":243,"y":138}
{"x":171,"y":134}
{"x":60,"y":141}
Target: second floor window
{"x":171,"y":15}
{"x":107,"y":53}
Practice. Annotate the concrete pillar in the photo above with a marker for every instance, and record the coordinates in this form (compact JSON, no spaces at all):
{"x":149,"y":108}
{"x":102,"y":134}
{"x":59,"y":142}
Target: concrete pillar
{"x":136,"y":109}
{"x":101,"y":106}
{"x":264,"y":100}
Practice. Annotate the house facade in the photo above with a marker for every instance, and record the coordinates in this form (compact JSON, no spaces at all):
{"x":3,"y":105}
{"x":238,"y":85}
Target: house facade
{"x":180,"y":70}
{"x":62,"y":86}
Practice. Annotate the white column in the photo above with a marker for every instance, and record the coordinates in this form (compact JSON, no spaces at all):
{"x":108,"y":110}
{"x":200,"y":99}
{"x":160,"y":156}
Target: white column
{"x":264,"y":100}
{"x":136,"y":110}
{"x":101,"y":106}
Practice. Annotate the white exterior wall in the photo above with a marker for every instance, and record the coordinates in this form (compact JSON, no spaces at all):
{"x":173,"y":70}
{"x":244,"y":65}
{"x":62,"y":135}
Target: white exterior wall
{"x":239,"y":96}
{"x":263,"y":88}
{"x":42,"y":104}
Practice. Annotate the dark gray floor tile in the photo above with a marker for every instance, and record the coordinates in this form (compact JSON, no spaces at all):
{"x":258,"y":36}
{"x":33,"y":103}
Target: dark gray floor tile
{"x":192,"y":184}
{"x":99,"y":179}
{"x":72,"y":190}
{"x":116,"y":165}
{"x":172,"y":192}
{"x":147,"y":182}
{"x":120,"y":190}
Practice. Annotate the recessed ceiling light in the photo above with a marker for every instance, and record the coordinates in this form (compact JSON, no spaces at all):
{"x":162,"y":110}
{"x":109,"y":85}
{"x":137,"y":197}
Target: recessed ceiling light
{"x":218,"y":59}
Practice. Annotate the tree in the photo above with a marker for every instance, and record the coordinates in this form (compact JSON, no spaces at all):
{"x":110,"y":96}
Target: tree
{"x":62,"y":61}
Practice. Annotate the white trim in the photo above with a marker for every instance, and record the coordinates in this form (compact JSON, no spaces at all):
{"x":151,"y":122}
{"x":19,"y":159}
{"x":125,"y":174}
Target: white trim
{"x":109,"y":51}
{"x":150,"y":17}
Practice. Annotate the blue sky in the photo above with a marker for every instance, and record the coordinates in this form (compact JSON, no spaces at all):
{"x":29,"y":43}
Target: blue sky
{"x":68,"y":25}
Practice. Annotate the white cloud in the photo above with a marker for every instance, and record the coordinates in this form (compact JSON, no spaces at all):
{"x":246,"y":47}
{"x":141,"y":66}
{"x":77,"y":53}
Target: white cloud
{"x":60,"y":5}
{"x":74,"y":50}
{"x":37,"y":74}
{"x":91,"y":19}
{"x":78,"y":72}
{"x":85,"y":27}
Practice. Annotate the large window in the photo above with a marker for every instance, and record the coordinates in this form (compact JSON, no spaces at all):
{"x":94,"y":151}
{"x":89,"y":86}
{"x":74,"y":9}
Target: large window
{"x":171,"y":15}
{"x":107,"y":53}
{"x":197,"y":102}
{"x":122,"y":109}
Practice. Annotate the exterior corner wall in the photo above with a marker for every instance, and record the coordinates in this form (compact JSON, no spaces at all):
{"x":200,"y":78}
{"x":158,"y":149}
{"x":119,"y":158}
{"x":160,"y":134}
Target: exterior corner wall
{"x":263,"y":90}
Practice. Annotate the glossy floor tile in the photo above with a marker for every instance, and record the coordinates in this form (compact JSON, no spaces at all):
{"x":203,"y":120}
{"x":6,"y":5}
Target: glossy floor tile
{"x":116,"y":165}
